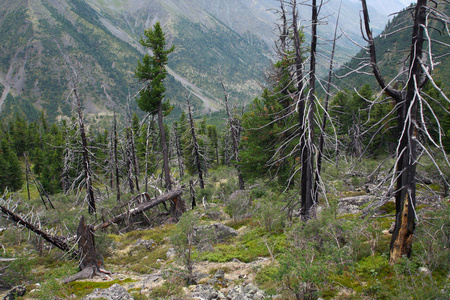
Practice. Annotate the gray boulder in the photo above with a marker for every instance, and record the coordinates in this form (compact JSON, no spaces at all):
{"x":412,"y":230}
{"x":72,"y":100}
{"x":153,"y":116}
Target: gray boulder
{"x":219,"y":279}
{"x":217,"y":232}
{"x":148,"y":244}
{"x":246,"y":292}
{"x":353,"y":205}
{"x":114,"y":292}
{"x":206,"y":292}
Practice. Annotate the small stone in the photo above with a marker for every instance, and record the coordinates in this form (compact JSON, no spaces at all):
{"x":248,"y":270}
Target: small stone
{"x":424,"y":270}
{"x":171,"y":253}
{"x":114,"y":292}
{"x":148,"y":244}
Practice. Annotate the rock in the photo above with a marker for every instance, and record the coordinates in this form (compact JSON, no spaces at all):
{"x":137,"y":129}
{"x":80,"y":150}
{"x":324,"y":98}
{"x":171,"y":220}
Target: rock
{"x":247,"y":292}
{"x":219,"y":279}
{"x":352,"y":205}
{"x":217,"y":231}
{"x":424,"y":271}
{"x":206,"y":292}
{"x":148,"y":244}
{"x":114,"y":292}
{"x":171,"y":253}
{"x":17,"y":291}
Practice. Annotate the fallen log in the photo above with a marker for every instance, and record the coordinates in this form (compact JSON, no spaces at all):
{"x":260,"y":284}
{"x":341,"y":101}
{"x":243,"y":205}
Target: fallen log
{"x":56,"y":241}
{"x":172,"y":195}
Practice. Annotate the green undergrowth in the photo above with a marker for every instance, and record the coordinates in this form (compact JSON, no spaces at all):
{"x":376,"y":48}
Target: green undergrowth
{"x":247,"y":248}
{"x":82,"y":288}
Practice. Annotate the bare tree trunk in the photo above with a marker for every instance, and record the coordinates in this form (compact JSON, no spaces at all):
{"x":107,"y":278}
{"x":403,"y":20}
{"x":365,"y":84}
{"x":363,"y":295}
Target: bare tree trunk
{"x":165,"y":150}
{"x":196,"y":147}
{"x":407,"y":102}
{"x":116,"y":164}
{"x":234,"y":136}
{"x":129,"y":161}
{"x":306,"y":181}
{"x":86,"y":162}
{"x":192,"y":191}
{"x":54,"y":240}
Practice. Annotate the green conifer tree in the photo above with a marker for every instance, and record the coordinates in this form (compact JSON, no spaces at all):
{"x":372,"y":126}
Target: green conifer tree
{"x":152,"y":71}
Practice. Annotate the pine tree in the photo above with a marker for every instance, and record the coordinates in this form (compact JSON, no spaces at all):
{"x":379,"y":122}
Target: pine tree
{"x":152,"y":72}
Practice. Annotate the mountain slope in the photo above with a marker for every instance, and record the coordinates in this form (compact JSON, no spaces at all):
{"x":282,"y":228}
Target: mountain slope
{"x":45,"y":42}
{"x":392,"y":47}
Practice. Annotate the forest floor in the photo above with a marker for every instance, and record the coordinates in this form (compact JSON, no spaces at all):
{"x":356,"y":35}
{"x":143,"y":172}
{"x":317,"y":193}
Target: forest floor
{"x":341,"y":254}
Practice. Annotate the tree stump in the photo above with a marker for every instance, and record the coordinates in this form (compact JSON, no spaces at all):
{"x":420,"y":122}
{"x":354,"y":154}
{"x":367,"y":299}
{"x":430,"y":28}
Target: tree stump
{"x":90,"y":264}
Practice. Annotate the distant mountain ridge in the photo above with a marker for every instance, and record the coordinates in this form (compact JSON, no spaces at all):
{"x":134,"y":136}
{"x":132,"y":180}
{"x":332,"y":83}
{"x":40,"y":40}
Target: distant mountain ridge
{"x":45,"y":41}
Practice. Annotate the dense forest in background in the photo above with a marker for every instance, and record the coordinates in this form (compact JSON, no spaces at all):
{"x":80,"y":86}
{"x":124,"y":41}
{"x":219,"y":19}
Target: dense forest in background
{"x":261,"y":144}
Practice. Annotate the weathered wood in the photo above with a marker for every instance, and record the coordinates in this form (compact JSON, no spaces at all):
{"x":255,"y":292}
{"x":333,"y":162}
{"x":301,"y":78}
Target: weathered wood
{"x":142,"y":207}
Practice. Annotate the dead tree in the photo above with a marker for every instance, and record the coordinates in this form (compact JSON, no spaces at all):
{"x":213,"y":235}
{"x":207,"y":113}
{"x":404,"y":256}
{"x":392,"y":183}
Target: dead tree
{"x":56,"y":241}
{"x":197,"y":161}
{"x":234,"y":131}
{"x":129,"y":161}
{"x":305,"y":110}
{"x":116,"y":163}
{"x":132,"y":147}
{"x":410,"y":128}
{"x":84,"y":148}
{"x":178,"y":149}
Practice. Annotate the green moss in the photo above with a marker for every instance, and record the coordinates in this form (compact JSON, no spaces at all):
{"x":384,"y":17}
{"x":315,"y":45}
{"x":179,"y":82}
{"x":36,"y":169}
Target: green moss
{"x":248,"y":248}
{"x":157,"y":234}
{"x":236,"y":224}
{"x":388,"y":207}
{"x":82,"y":288}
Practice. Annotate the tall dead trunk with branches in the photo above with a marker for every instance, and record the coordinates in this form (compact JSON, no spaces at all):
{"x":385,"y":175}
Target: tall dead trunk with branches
{"x":197,"y":161}
{"x":84,"y":148}
{"x":235,"y":134}
{"x":116,"y":160}
{"x":408,"y":100}
{"x":305,"y":109}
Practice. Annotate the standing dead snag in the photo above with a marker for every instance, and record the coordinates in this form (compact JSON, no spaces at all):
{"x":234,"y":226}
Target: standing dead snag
{"x":409,"y":118}
{"x":196,"y":146}
{"x":234,"y":134}
{"x":86,"y":162}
